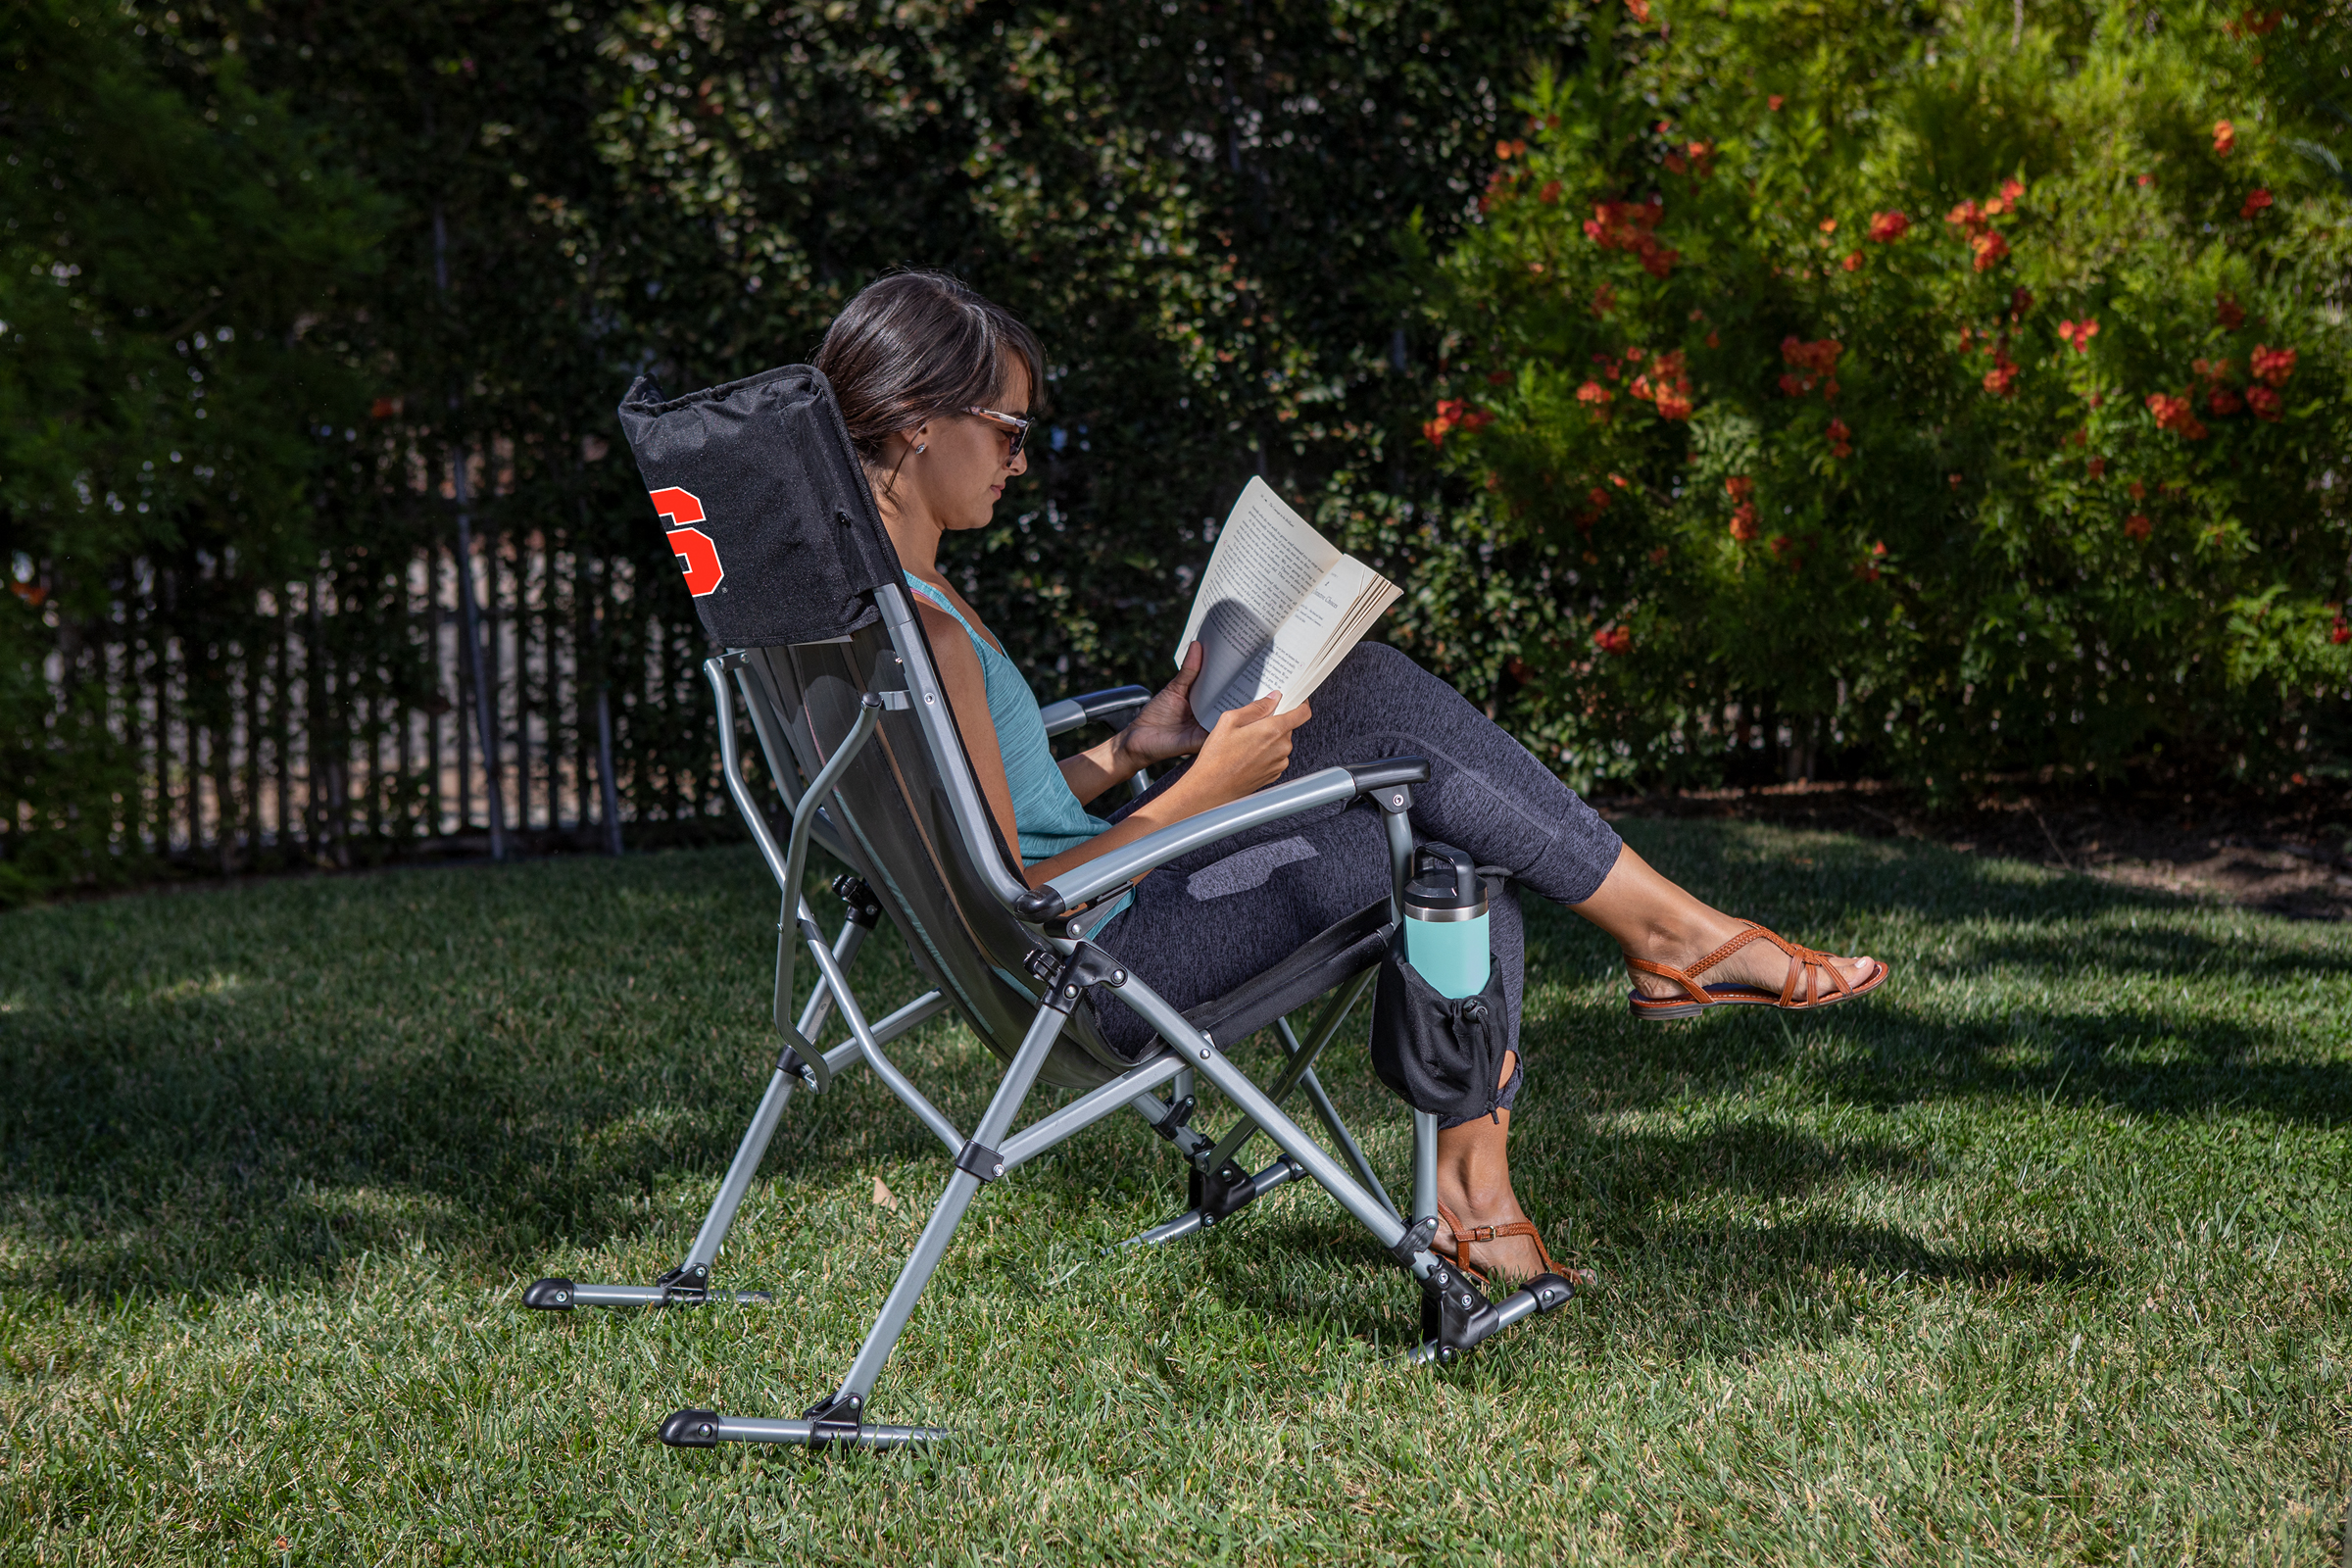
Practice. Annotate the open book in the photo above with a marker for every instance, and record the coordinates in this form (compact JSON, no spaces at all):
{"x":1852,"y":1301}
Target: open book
{"x":1277,"y":611}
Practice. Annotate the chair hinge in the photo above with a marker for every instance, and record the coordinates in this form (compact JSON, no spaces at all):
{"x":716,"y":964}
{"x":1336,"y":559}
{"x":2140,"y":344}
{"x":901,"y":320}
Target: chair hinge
{"x":1087,"y":965}
{"x":835,"y":1419}
{"x":1172,"y":1123}
{"x":1415,"y":1239}
{"x":866,"y":910}
{"x":978,"y":1160}
{"x":811,"y":1069}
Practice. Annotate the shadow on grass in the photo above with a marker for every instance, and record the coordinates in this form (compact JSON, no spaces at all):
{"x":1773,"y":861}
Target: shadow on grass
{"x":176,"y":1133}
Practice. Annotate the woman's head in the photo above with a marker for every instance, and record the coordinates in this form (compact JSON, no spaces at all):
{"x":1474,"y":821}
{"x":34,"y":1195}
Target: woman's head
{"x":909,"y":359}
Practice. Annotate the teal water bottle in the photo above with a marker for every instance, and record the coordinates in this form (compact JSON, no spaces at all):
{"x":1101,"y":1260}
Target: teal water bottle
{"x":1445,"y":921}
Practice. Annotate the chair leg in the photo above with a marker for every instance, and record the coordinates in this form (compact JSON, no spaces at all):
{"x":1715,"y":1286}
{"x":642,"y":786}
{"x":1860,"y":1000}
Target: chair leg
{"x":1218,"y":1186}
{"x":688,"y":1284}
{"x":840,"y":1418}
{"x":1457,"y":1315}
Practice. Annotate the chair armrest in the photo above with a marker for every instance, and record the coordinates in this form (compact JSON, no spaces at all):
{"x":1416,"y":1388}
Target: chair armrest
{"x":1072,"y":712}
{"x":1085,"y":883}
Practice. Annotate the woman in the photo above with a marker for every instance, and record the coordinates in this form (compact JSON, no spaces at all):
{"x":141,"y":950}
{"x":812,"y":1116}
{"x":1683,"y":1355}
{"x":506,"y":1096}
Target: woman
{"x":935,"y":386}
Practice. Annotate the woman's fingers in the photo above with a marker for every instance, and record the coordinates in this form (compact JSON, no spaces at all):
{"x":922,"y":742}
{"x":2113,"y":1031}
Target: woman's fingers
{"x":1187,"y":671}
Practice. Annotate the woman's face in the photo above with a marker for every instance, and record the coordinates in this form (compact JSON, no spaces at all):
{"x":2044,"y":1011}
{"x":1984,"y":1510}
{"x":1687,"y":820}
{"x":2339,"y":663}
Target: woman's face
{"x":962,"y":469}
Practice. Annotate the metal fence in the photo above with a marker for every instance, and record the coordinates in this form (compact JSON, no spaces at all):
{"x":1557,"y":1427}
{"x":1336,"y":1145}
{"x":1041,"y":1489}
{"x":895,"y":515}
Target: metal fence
{"x":336,"y":719}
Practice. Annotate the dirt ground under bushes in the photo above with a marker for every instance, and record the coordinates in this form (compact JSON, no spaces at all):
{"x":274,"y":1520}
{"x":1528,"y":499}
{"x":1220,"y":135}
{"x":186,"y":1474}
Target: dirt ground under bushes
{"x":2290,"y":855}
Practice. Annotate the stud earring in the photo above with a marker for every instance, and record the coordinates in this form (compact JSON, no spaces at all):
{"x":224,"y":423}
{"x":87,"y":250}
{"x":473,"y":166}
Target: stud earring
{"x":923,"y":448}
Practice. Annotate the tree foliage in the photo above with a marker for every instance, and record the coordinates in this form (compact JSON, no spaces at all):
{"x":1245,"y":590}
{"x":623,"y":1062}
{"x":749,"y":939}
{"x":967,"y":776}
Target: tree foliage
{"x":172,"y":268}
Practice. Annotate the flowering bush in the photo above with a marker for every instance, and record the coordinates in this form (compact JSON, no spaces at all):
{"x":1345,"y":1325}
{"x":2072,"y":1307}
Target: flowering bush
{"x":2041,"y":468}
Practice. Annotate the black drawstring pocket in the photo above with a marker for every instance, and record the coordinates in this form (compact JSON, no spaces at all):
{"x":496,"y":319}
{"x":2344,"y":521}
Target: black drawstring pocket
{"x":1438,"y":1053}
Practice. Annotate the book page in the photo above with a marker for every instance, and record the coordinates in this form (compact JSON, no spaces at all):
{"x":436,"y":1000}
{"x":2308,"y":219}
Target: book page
{"x":1268,"y":561}
{"x":1342,"y":607}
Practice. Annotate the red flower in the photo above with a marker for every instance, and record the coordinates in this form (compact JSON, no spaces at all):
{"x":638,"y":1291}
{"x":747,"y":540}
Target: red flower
{"x":2228,"y":312}
{"x":2001,"y":379}
{"x":2256,"y":200}
{"x":2264,"y":402}
{"x":1598,"y":497}
{"x":1455,"y":414}
{"x":2225,"y":138}
{"x":1818,"y":360}
{"x":1852,"y":263}
{"x":2137,"y":525}
{"x":2137,"y":489}
{"x":2340,"y":633}
{"x":1626,"y":226}
{"x":2175,"y":414}
{"x":1774,"y":103}
{"x":2011,"y":190}
{"x":1605,"y":300}
{"x":1596,"y":396}
{"x":1509,"y":149}
{"x":1743,"y":521}
{"x":1640,"y":9}
{"x":1989,"y":247}
{"x":1549,"y":193}
{"x":1739,"y":487}
{"x":1968,"y":214}
{"x":2078,"y":334}
{"x":1840,"y":439}
{"x":2273,"y":365}
{"x":1888,"y":227}
{"x":2098,"y":467}
{"x":1615,"y":639}
{"x":2224,"y":402}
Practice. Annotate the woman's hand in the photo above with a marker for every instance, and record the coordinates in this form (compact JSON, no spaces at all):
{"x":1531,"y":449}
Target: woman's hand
{"x":1247,"y":750}
{"x":1165,"y":726}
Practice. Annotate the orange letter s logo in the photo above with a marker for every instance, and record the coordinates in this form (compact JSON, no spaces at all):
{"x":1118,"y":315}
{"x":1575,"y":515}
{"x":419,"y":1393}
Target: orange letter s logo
{"x":697,"y":557}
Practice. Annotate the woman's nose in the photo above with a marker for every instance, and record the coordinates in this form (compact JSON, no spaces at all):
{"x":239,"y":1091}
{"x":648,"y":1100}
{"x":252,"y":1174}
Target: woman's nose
{"x":1019,"y":463}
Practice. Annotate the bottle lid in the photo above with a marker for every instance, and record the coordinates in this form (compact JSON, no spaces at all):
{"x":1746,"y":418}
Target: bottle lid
{"x":1444,"y":885}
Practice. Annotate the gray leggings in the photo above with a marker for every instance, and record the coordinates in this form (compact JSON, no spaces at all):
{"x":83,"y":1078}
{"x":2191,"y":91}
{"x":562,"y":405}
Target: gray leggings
{"x":1205,"y":924}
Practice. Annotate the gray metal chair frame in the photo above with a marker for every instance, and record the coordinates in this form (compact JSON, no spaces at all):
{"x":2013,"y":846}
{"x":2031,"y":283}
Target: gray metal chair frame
{"x":859,"y":740}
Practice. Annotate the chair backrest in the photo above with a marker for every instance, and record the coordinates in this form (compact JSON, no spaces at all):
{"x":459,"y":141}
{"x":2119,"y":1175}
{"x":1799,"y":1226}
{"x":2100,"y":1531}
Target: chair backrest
{"x":909,"y":818}
{"x":768,"y":512}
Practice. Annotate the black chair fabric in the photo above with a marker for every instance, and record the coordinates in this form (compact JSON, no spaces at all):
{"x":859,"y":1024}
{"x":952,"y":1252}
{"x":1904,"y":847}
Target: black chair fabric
{"x":764,"y":505}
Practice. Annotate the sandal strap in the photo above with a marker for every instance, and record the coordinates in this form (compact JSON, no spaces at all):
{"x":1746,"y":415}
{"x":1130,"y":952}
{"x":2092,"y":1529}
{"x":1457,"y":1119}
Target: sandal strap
{"x":1465,"y":1235}
{"x":1681,"y":977}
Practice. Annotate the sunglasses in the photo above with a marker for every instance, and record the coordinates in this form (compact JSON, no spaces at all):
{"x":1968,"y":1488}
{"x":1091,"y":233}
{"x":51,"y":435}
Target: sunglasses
{"x":1015,"y":428}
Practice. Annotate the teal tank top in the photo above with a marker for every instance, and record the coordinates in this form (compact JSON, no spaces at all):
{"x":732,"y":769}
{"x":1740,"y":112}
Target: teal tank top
{"x":1048,"y":815}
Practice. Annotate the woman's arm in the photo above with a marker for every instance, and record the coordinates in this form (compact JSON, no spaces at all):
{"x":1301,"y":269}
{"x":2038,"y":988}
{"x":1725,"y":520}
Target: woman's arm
{"x":1246,"y":751}
{"x":1165,"y":728}
{"x":966,"y":688}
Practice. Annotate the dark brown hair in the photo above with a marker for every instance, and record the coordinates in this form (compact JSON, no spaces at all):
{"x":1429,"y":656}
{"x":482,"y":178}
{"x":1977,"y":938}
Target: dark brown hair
{"x":917,"y":345}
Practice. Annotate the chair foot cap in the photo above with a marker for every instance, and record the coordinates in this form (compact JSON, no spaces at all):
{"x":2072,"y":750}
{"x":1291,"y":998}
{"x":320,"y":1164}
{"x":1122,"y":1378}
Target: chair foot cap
{"x":691,"y":1429}
{"x":550,"y":1295}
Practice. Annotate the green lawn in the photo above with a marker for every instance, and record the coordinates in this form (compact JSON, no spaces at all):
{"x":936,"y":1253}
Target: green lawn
{"x":2042,"y":1255}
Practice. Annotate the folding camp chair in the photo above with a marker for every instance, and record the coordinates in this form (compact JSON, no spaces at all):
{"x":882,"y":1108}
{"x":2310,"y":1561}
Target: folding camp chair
{"x":858,"y":738}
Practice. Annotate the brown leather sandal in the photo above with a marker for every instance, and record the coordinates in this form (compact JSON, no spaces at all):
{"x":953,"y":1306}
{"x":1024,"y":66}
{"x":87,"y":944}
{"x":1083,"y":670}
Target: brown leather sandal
{"x":1584,"y":1279}
{"x":1807,"y":969}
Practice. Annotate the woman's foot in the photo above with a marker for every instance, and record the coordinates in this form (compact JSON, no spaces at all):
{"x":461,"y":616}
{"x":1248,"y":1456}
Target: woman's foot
{"x":1659,"y":922}
{"x":1475,"y":1199}
{"x":1762,"y":963}
{"x":1514,"y":1259}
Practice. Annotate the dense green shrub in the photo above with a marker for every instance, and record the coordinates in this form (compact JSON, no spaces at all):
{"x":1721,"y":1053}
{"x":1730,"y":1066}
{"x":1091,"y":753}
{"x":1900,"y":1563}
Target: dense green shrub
{"x":1956,"y":388}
